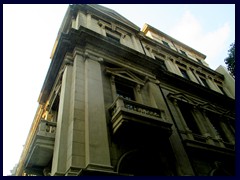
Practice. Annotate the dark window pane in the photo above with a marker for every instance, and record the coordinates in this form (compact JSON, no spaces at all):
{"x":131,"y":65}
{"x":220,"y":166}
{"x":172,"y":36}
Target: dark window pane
{"x":183,"y":52}
{"x":188,"y":117}
{"x":166,"y":44}
{"x":162,"y":63}
{"x":215,"y":121}
{"x":199,"y":61}
{"x":204,"y":82}
{"x":221,"y":88}
{"x":184,"y":73}
{"x":125,"y":91}
{"x":113,"y":38}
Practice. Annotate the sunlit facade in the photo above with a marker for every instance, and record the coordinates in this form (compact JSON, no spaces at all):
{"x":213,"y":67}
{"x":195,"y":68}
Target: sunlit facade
{"x":118,"y":100}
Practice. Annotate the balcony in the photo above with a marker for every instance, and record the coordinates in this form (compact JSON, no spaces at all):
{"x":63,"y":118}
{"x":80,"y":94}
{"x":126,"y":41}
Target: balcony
{"x":41,"y":149}
{"x":133,"y":120}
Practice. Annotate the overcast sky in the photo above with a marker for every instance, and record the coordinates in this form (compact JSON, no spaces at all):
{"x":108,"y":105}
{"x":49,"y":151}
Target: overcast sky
{"x":29,"y":33}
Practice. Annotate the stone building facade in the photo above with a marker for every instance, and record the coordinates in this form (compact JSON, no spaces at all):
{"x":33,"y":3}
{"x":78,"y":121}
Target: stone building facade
{"x":118,"y":100}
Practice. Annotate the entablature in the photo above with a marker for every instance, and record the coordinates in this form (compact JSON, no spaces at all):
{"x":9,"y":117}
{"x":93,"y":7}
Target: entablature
{"x":165,"y":52}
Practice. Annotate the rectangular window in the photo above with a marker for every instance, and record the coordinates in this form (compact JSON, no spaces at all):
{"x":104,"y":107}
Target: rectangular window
{"x":166,"y":44}
{"x":184,"y":73}
{"x":113,"y":38}
{"x":215,"y":121}
{"x":204,"y":82}
{"x":200,"y":62}
{"x":125,"y":91}
{"x":186,"y":111}
{"x":221,"y":88}
{"x":183,"y":52}
{"x":162,"y":64}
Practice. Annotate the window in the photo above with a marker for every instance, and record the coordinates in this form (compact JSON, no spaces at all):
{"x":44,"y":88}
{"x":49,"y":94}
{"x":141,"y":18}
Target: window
{"x":200,"y":62}
{"x":204,"y":82}
{"x":166,"y":44}
{"x":113,"y":38}
{"x":183,"y":52}
{"x":186,"y":111}
{"x":221,"y":88}
{"x":184,"y":73}
{"x":162,"y":63}
{"x":113,"y":35}
{"x":125,"y":91}
{"x":215,"y":121}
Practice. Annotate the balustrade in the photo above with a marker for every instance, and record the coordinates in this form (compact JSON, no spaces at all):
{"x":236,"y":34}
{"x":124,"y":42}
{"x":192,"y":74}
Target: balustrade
{"x":47,"y":127}
{"x":128,"y":105}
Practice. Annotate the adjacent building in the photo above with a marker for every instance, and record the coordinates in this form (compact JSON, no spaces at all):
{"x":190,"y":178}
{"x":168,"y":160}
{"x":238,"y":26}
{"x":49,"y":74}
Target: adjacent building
{"x":118,"y":100}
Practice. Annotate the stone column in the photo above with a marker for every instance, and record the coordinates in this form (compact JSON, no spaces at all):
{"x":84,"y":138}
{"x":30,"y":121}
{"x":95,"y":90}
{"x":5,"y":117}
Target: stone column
{"x":96,"y":137}
{"x":60,"y":149}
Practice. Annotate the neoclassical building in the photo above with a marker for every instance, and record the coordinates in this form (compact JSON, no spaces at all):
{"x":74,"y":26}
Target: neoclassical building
{"x":122,"y":101}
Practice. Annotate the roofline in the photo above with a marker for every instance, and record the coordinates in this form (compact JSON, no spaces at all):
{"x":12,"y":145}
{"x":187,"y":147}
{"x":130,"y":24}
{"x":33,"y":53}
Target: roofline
{"x":148,"y":27}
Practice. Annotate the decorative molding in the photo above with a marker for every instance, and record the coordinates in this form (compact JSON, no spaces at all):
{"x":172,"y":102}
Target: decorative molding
{"x":181,"y":97}
{"x":125,"y":74}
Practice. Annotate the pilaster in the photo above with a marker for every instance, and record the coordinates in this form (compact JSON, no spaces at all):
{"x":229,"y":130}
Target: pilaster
{"x":96,"y":138}
{"x":60,"y":150}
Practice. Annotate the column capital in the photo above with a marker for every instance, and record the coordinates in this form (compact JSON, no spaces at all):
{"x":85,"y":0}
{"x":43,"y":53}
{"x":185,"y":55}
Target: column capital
{"x":90,"y":56}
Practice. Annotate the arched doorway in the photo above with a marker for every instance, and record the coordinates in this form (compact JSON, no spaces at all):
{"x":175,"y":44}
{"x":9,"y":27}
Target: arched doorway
{"x":143,"y":162}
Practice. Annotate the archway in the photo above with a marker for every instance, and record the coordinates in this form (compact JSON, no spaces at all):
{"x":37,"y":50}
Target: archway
{"x":143,"y":162}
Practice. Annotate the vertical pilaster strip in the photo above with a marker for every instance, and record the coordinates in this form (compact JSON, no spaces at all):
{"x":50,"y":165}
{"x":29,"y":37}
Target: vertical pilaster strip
{"x":97,"y":146}
{"x":59,"y":155}
{"x":76,"y":137}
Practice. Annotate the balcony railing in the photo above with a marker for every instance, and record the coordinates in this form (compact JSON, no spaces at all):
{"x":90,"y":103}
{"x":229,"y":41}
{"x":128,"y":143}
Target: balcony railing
{"x":47,"y":128}
{"x":129,"y":105}
{"x":128,"y":111}
{"x":41,"y":149}
{"x":203,"y":141}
